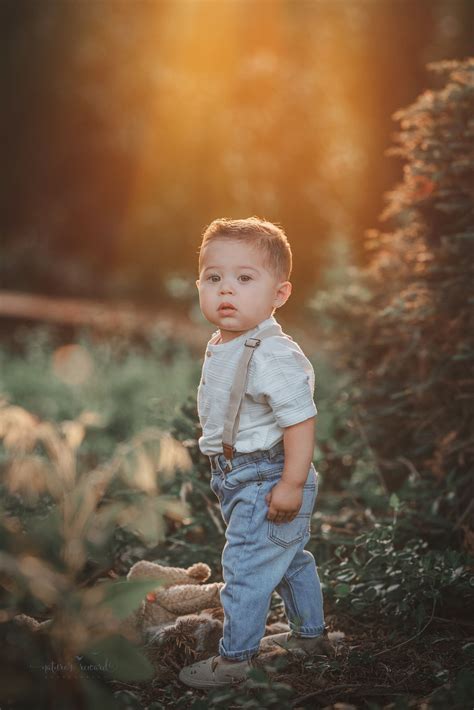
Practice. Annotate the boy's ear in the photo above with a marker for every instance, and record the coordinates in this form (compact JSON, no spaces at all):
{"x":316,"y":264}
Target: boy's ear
{"x":197,"y":283}
{"x":283,"y":293}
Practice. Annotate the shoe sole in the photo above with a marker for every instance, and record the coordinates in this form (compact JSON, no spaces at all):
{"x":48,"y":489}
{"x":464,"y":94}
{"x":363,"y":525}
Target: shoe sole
{"x":296,"y":649}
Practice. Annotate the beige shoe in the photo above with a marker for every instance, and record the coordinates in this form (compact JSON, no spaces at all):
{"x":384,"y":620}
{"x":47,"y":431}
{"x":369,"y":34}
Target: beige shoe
{"x":318,"y":645}
{"x":214,"y":673}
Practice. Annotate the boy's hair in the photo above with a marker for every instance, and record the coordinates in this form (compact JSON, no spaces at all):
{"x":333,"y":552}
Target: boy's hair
{"x":267,"y":237}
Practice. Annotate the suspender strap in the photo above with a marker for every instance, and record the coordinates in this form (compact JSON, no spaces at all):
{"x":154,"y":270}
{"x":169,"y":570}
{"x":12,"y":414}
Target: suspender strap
{"x":231,"y":422}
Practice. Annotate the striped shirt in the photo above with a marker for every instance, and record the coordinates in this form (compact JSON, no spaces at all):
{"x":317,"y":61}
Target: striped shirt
{"x":279,"y":391}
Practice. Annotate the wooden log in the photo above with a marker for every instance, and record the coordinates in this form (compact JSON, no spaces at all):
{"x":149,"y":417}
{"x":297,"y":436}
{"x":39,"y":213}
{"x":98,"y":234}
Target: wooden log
{"x":109,"y":318}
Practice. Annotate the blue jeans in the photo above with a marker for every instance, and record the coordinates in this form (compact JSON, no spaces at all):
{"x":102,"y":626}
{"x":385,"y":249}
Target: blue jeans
{"x":261,"y":556}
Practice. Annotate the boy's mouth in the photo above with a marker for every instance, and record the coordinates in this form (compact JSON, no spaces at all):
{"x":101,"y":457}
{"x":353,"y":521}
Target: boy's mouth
{"x":226,"y":308}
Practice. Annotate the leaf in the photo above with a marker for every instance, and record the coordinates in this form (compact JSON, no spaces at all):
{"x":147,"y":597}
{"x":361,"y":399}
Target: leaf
{"x":123,"y":597}
{"x":394,"y":502}
{"x":120,"y":659}
{"x":342,"y":590}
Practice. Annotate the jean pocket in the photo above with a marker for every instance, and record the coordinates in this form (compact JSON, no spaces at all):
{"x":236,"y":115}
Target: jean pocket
{"x":288,"y":534}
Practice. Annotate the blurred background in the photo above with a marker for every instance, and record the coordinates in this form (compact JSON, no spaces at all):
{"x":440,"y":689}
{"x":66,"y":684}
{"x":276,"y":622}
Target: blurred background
{"x":129,"y":126}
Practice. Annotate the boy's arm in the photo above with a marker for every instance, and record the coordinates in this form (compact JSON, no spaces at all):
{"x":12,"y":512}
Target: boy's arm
{"x":284,"y":500}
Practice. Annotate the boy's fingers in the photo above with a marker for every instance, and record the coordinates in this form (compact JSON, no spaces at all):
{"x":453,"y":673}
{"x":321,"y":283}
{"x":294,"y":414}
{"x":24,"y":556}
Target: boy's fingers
{"x":272,"y":513}
{"x":277,"y":517}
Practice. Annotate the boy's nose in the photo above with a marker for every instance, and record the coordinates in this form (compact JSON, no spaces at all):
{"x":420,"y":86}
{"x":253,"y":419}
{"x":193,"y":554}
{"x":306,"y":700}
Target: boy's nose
{"x":226,"y":287}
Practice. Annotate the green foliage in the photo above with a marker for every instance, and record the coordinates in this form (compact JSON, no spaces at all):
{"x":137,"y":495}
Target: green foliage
{"x":403,"y":326}
{"x":123,"y":597}
{"x":57,"y":524}
{"x":202,"y":538}
{"x":128,"y":387}
{"x":377,"y":575}
{"x":120,"y":659}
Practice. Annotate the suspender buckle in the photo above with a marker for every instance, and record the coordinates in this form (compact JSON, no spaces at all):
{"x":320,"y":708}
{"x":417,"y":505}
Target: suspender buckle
{"x":253,"y":342}
{"x":228,"y":451}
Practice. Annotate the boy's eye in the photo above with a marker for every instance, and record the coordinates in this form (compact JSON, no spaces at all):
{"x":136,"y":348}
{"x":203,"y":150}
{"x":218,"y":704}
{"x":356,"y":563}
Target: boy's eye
{"x":213,"y":278}
{"x":245,"y":277}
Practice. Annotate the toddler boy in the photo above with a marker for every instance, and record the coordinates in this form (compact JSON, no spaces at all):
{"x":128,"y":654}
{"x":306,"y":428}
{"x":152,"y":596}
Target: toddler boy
{"x":256,"y":409}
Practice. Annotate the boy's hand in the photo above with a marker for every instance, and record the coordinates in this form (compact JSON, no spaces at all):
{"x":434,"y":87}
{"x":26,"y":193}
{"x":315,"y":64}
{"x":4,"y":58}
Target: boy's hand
{"x":284,"y":502}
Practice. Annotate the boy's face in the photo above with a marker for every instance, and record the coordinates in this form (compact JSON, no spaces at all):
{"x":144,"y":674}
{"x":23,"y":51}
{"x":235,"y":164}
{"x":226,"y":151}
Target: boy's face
{"x":236,"y":289}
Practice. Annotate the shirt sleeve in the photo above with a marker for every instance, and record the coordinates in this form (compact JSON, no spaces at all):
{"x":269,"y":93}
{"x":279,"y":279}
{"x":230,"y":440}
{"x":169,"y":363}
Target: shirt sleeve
{"x":285,"y":377}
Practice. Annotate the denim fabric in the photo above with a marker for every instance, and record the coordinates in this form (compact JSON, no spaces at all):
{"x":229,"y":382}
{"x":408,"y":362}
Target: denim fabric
{"x":261,"y":556}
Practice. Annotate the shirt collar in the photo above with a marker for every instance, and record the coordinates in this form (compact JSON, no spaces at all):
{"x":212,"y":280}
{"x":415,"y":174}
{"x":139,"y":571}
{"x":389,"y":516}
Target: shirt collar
{"x":248,"y":334}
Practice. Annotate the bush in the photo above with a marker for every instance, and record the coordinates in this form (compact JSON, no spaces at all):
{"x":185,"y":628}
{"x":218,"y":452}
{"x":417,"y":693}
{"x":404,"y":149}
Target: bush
{"x":403,"y":582}
{"x":404,"y":324}
{"x":58,"y":529}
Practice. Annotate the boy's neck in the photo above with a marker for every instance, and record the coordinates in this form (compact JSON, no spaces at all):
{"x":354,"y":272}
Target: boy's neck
{"x":219,"y":340}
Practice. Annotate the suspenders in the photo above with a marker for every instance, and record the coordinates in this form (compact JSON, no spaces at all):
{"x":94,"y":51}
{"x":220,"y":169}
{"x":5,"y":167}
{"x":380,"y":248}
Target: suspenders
{"x":231,"y":422}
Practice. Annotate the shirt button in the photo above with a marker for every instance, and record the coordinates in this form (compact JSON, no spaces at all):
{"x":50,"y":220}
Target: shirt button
{"x":204,"y":382}
{"x":208,"y":353}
